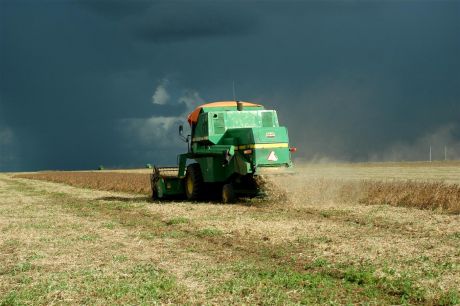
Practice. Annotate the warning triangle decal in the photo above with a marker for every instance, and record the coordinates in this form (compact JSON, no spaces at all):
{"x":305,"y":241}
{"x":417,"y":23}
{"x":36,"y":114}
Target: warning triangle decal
{"x":272,"y":156}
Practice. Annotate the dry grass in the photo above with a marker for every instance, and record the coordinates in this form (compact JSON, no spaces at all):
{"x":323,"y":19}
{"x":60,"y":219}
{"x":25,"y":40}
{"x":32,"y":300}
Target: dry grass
{"x":448,"y":172}
{"x":424,"y":195}
{"x":67,"y":245}
{"x":104,"y":180}
{"x":421,"y":185}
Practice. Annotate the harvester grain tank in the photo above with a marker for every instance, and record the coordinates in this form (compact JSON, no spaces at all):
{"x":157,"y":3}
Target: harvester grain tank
{"x":231,"y":144}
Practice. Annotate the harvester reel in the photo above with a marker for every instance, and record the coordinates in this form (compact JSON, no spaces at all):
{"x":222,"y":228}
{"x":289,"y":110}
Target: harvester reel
{"x":194,"y":182}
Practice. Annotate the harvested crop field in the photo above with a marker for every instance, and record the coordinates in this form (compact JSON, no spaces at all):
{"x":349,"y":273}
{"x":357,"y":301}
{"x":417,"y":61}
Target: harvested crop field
{"x":316,"y":241}
{"x":422,"y":185}
{"x":102,"y":180}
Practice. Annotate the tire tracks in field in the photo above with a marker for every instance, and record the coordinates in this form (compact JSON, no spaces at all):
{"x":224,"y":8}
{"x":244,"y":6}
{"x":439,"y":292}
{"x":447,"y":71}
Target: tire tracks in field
{"x":138,"y":217}
{"x":90,"y":212}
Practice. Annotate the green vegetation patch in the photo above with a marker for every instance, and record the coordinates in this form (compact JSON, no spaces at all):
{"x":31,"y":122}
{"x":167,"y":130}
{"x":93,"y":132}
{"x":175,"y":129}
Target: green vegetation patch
{"x":451,"y":297}
{"x":320,"y":282}
{"x":277,"y":286}
{"x":142,"y":283}
{"x":108,"y":225}
{"x":177,"y":220}
{"x":89,"y":237}
{"x":209,"y":232}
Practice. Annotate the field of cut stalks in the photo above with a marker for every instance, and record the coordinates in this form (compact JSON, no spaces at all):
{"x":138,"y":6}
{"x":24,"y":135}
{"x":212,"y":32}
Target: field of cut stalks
{"x":134,"y":182}
{"x":422,"y":185}
{"x":334,"y":234}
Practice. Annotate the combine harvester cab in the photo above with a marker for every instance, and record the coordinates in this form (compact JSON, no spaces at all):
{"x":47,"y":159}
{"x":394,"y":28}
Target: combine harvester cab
{"x":231,"y":144}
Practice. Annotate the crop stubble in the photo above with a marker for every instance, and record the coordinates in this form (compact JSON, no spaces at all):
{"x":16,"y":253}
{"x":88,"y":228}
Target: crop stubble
{"x":315,"y":220}
{"x":317,"y":184}
{"x":109,"y":181}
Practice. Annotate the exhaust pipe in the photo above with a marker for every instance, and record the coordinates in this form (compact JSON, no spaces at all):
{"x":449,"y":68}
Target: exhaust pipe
{"x":239,"y":105}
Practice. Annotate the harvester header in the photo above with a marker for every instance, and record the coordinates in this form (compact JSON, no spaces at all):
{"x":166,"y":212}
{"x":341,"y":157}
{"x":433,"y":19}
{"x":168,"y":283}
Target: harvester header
{"x":231,"y":142}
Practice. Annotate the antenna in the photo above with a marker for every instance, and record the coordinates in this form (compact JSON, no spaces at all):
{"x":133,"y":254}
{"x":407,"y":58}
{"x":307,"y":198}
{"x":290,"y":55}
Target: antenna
{"x":234,"y":95}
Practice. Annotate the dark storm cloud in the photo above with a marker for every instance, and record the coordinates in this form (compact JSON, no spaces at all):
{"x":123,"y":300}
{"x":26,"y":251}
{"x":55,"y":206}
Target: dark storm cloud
{"x":171,"y":27}
{"x":351,"y":80}
{"x":170,"y":21}
{"x":116,"y":8}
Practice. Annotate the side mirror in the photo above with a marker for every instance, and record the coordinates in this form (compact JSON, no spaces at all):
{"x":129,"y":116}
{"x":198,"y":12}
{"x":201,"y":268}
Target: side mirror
{"x":181,"y":132}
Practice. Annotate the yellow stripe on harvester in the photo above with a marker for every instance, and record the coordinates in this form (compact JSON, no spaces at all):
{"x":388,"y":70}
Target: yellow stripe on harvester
{"x":264,"y":146}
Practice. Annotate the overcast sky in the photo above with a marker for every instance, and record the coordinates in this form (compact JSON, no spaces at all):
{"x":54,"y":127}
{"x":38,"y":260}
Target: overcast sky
{"x":85,"y":83}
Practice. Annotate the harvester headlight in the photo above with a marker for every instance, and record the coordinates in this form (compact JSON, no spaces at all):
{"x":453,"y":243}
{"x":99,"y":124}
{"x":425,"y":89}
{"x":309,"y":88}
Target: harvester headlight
{"x":247,"y":151}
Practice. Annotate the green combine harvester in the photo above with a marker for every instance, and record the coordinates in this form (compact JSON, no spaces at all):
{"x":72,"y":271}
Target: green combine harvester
{"x":232,"y":143}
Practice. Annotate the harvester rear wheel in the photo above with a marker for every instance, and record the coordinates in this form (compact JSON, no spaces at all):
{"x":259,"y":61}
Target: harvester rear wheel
{"x":228,"y":193}
{"x":194,"y":182}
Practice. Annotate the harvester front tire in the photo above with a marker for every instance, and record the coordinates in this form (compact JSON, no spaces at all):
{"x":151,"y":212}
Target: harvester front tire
{"x":194,"y":182}
{"x":228,"y":194}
